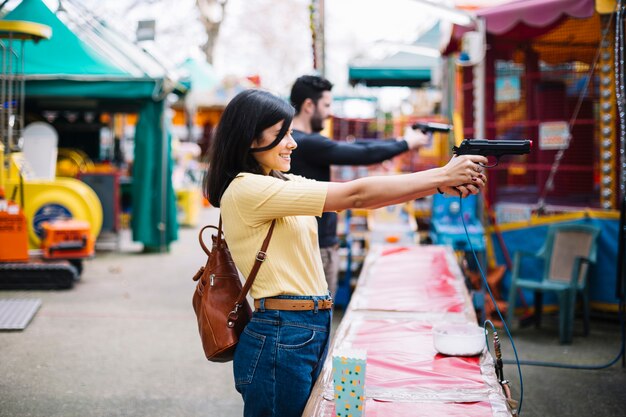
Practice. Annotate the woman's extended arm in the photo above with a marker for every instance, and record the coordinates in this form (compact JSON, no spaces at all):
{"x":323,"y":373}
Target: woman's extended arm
{"x":380,"y":191}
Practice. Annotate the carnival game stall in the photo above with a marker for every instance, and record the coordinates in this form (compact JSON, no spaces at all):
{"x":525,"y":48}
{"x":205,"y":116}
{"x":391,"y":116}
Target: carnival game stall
{"x":549,"y":78}
{"x":405,"y":293}
{"x":80,"y":82}
{"x":550,"y":75}
{"x":59,"y":244}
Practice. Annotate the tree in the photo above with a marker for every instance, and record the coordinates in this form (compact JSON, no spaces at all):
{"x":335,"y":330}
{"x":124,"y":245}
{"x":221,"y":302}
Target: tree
{"x":211,"y":17}
{"x":209,"y":13}
{"x":268,"y":38}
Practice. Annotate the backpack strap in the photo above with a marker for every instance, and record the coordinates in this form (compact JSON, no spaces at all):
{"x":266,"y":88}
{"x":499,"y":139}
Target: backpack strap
{"x":204,"y":248}
{"x":261,"y":255}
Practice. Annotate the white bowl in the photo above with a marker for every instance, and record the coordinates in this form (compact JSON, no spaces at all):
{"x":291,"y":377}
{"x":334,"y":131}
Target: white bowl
{"x":456,"y":339}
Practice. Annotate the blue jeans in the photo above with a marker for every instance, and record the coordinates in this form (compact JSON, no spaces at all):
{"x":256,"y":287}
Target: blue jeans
{"x":278,"y":358}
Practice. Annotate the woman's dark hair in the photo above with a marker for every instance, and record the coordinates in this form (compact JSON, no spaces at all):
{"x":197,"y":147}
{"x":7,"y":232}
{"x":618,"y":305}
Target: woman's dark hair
{"x":308,"y":86}
{"x":244,"y":119}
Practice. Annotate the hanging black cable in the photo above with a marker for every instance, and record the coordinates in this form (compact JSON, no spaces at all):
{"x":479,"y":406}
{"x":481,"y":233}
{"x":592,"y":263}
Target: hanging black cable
{"x":621,"y":271}
{"x":620,"y":91}
{"x":620,"y":95}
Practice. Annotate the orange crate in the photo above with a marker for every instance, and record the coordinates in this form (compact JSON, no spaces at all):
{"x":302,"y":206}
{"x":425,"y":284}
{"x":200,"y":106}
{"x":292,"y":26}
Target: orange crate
{"x":67,"y":239}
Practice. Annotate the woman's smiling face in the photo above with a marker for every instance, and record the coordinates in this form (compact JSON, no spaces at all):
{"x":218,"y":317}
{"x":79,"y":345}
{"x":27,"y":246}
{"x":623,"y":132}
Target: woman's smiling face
{"x":279,"y":157}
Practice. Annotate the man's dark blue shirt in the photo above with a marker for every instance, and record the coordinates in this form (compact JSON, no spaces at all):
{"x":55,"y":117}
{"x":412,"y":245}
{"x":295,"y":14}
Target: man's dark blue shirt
{"x":316,"y":153}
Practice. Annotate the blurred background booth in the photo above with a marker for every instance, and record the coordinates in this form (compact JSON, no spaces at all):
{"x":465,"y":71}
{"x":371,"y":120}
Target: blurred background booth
{"x":105,"y":96}
{"x":549,"y":76}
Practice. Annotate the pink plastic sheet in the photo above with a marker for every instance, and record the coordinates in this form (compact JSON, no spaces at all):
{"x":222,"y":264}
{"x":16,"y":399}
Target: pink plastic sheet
{"x":402,"y":292}
{"x":389,"y":409}
{"x":374,"y":408}
{"x":412,"y":279}
{"x":401,"y":355}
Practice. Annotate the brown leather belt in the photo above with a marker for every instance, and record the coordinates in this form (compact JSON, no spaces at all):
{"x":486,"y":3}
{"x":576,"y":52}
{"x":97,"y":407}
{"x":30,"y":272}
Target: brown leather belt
{"x":293,"y":305}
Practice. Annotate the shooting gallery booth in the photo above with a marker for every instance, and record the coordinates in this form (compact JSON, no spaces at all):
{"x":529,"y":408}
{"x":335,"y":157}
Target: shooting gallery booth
{"x":540,"y":83}
{"x":82,"y":81}
{"x":548,"y":77}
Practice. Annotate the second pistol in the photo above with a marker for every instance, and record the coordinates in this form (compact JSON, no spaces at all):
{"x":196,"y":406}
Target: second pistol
{"x":428,"y":127}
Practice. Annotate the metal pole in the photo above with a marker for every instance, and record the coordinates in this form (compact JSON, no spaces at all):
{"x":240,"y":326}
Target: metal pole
{"x":164,"y":182}
{"x":22,"y":83}
{"x":3,"y":98}
{"x":621,"y":273}
{"x":479,"y":87}
{"x":9,"y":98}
{"x":322,"y":40}
{"x":316,"y":16}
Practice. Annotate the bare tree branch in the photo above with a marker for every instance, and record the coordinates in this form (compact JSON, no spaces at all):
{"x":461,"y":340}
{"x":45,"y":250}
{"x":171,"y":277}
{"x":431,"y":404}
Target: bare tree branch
{"x":135,"y":3}
{"x":211,"y":17}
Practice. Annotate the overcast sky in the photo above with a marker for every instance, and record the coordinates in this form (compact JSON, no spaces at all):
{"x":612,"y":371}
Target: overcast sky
{"x":272,"y":37}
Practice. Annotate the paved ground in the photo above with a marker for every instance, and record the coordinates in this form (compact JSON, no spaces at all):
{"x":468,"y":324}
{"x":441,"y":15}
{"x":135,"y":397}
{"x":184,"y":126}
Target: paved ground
{"x":123,"y":342}
{"x":563,"y":392}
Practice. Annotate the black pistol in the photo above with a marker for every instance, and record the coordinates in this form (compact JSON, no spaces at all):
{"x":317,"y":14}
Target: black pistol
{"x":429,"y":127}
{"x":497,"y":148}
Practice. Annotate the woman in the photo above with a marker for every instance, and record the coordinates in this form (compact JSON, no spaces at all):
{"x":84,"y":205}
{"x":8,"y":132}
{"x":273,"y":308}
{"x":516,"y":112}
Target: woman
{"x":282,"y":349}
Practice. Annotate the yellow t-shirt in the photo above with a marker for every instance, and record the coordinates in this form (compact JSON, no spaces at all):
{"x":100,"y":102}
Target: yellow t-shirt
{"x":293,"y":265}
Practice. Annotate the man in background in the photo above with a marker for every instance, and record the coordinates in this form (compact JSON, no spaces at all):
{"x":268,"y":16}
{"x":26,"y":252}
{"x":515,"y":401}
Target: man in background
{"x":311,"y":96}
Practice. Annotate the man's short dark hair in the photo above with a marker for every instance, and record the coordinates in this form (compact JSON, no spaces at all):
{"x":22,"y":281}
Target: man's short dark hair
{"x":308,"y":86}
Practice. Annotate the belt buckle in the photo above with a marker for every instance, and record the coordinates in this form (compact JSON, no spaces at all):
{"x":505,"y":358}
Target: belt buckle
{"x":261,"y":256}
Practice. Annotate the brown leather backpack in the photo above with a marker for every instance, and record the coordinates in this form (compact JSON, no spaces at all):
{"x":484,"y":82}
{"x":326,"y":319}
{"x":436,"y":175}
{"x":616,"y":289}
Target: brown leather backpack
{"x":219,"y":300}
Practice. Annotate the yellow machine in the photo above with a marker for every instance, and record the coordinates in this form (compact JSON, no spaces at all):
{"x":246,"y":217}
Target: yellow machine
{"x":61,"y":208}
{"x":72,"y":162}
{"x":44,"y":201}
{"x":50,"y":211}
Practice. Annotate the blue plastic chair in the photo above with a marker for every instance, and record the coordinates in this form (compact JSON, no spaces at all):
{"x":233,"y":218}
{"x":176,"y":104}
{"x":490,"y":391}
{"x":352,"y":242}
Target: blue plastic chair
{"x":568,"y":253}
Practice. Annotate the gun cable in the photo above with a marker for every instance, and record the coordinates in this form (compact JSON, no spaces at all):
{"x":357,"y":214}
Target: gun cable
{"x":519,"y":362}
{"x":493,"y":299}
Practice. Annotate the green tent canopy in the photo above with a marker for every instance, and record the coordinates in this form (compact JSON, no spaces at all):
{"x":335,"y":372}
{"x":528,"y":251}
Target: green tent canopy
{"x":406,"y":68}
{"x":86,"y":60}
{"x":377,"y":75}
{"x":65,"y":54}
